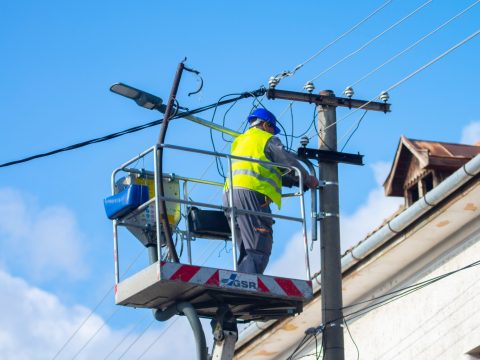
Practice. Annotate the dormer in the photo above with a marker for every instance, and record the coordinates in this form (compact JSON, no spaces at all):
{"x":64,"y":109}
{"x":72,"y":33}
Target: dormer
{"x":421,"y":165}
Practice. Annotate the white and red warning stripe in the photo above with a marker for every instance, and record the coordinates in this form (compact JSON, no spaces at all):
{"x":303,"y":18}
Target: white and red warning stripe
{"x":238,"y":281}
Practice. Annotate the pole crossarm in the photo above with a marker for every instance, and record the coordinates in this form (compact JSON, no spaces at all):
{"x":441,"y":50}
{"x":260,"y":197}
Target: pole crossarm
{"x":330,"y":156}
{"x":327,"y":100}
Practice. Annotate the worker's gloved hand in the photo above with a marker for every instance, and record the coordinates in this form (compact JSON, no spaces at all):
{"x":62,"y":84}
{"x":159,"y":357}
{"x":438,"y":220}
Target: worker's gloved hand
{"x":311,"y":182}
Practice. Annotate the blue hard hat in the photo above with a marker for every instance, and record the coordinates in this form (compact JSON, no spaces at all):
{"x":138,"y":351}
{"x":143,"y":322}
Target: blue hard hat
{"x":265,"y":115}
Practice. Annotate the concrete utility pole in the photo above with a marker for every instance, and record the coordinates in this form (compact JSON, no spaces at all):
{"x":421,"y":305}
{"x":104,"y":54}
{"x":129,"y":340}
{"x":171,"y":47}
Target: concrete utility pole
{"x":331,"y":272}
{"x":328,"y":159}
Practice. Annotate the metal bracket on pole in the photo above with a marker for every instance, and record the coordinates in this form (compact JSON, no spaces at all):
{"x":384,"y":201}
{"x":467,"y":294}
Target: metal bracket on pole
{"x":322,"y":215}
{"x":323,"y":183}
{"x":330,"y":156}
{"x":326,"y":100}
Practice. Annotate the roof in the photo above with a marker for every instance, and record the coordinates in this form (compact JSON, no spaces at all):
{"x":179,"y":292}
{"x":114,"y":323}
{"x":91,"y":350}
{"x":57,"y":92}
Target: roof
{"x":437,"y":155}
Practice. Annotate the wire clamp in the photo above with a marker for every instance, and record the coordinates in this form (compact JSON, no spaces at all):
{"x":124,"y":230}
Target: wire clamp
{"x":322,"y":215}
{"x":324,"y":183}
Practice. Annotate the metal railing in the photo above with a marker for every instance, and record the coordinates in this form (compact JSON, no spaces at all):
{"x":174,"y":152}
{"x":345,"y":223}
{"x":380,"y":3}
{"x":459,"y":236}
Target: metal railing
{"x":187,"y":202}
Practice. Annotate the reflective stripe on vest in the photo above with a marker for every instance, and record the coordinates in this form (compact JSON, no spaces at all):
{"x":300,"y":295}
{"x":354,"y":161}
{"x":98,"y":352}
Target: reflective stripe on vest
{"x":262,"y":178}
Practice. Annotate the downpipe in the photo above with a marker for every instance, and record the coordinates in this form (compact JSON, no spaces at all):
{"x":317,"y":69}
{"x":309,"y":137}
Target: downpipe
{"x":187,"y":309}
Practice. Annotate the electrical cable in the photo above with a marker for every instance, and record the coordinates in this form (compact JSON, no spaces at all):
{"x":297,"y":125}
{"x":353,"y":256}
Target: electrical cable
{"x":353,"y":132}
{"x":300,"y":344}
{"x":137,"y":338}
{"x":414,"y":287}
{"x":468,"y":38}
{"x":127,"y":335}
{"x":158,"y":337}
{"x":320,"y":137}
{"x":291,"y":73}
{"x":351,"y":337}
{"x":94,"y":309}
{"x":397,"y":294}
{"x":304,"y":343}
{"x":82,"y":323}
{"x":292,"y":123}
{"x":372,"y":40}
{"x":423,"y":38}
{"x":322,"y":348}
{"x":218,"y":163}
{"x":165,"y":330}
{"x":95,"y":333}
{"x":225,"y":115}
{"x":298,"y":67}
{"x":408,"y":77}
{"x":131,"y":130}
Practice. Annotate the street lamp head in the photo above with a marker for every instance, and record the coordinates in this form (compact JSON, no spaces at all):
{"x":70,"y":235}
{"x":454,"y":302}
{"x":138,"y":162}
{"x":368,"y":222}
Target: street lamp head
{"x":142,"y":98}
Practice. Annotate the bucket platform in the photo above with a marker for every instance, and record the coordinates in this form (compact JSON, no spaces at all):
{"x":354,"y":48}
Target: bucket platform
{"x":134,"y":206}
{"x":249,"y":296}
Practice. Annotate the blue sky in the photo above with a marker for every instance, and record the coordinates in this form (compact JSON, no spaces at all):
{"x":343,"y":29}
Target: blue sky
{"x":57,"y":64}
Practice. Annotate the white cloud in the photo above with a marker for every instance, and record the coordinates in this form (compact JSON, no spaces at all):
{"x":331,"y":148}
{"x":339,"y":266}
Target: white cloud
{"x":380,"y":171}
{"x":45,"y":242}
{"x":35,"y":325}
{"x":372,"y":213}
{"x":471,"y":133}
{"x":367,"y":217}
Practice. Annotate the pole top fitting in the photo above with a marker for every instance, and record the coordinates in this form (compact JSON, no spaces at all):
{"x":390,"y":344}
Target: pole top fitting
{"x":309,"y":87}
{"x":326,"y":93}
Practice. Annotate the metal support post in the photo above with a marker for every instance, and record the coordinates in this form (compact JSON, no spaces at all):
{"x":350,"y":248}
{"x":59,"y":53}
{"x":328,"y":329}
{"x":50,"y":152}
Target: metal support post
{"x":225,"y":334}
{"x":331,"y":275}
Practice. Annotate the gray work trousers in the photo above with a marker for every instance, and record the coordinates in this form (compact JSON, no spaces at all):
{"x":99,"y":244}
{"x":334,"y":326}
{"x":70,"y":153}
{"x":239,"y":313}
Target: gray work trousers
{"x":253,"y":233}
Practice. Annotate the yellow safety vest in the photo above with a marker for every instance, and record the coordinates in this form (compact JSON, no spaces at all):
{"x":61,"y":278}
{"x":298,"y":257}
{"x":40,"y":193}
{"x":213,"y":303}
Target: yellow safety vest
{"x":262,"y":178}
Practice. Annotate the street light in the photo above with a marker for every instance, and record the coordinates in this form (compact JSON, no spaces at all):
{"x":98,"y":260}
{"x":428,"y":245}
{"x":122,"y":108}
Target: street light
{"x":142,"y":98}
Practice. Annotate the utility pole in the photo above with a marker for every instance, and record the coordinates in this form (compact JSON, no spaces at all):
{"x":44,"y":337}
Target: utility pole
{"x":328,"y":159}
{"x":331,"y":272}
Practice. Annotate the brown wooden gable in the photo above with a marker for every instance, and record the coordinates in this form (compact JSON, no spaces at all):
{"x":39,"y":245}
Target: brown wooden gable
{"x":420,"y":165}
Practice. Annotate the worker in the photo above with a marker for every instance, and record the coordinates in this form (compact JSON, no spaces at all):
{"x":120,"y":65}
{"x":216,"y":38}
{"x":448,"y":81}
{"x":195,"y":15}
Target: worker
{"x":256,"y":186}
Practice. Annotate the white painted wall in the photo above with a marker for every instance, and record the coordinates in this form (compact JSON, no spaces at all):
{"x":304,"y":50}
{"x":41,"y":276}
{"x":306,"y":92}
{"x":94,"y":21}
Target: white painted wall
{"x":440,"y":321}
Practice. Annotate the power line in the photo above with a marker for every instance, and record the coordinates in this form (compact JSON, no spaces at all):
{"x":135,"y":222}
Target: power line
{"x":131,"y":130}
{"x":93,"y":311}
{"x":82,"y":323}
{"x":158,"y":337}
{"x":415,"y":287}
{"x":423,"y":38}
{"x":298,"y":67}
{"x":126,"y":336}
{"x":408,"y":77}
{"x":468,"y":38}
{"x":137,"y":338}
{"x":397,"y":294}
{"x":372,"y":40}
{"x":95,"y":333}
{"x":351,"y":337}
{"x":353,"y":132}
{"x":165,"y":330}
{"x":387,"y":298}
